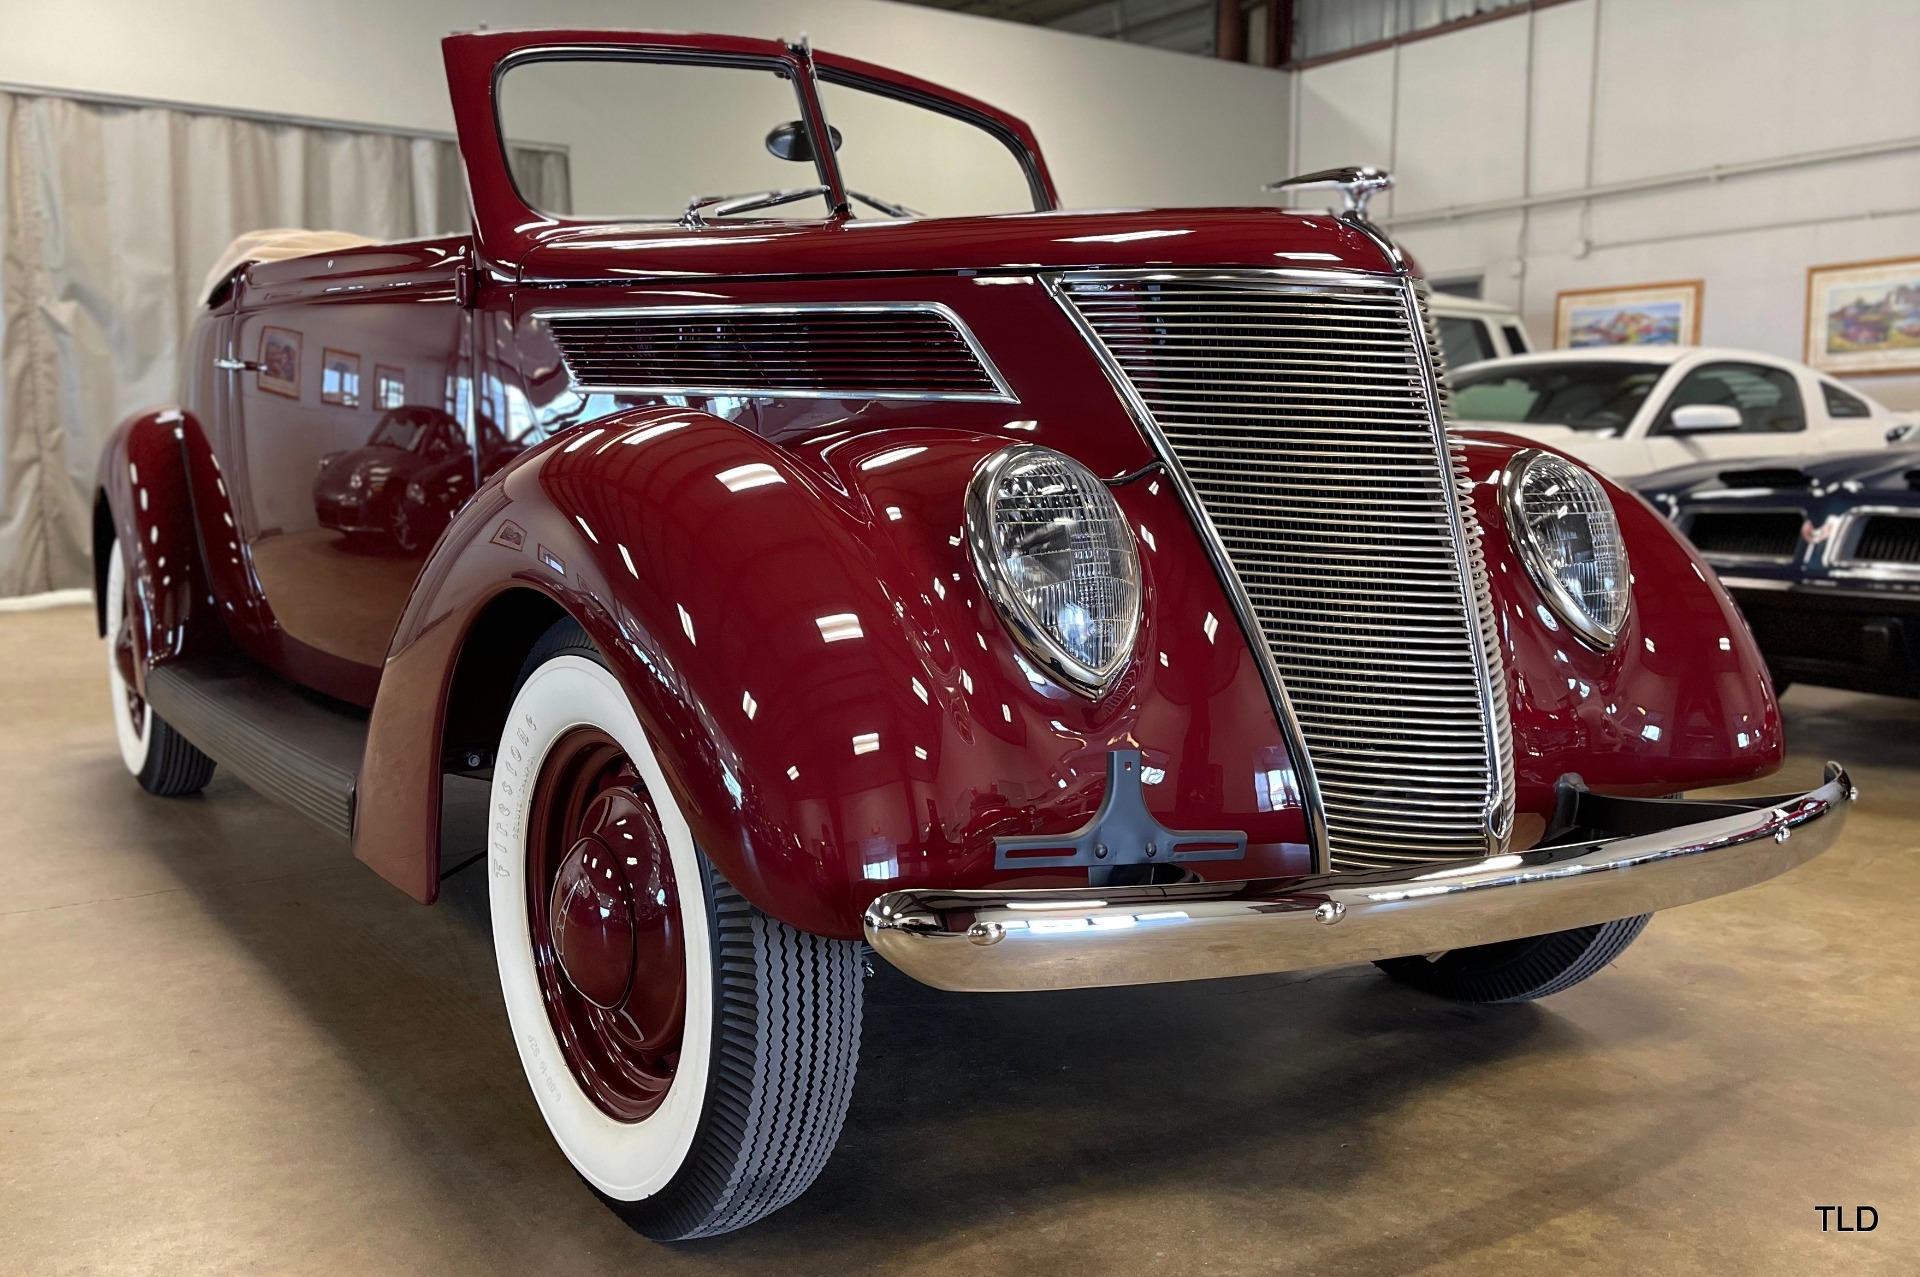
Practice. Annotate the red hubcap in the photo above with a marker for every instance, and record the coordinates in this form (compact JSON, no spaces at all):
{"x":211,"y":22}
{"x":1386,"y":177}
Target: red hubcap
{"x":605,"y":921}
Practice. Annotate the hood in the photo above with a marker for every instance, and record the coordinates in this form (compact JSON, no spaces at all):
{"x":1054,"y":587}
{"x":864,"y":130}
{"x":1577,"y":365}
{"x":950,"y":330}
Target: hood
{"x":377,"y":462}
{"x":1894,"y":470}
{"x":1119,"y":239}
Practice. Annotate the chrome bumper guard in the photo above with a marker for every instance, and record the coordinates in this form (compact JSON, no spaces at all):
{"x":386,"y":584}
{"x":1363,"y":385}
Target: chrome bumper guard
{"x":1649,"y":854}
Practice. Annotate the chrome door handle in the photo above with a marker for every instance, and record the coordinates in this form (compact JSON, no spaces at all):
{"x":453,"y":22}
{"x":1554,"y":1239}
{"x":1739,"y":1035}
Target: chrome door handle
{"x":239,"y":365}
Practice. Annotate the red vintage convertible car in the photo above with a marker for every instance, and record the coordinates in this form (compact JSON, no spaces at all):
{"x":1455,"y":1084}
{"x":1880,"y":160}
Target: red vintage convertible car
{"x":1044,"y":599}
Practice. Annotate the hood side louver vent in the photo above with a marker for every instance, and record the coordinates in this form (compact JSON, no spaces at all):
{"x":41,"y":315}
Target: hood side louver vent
{"x":909,"y":351}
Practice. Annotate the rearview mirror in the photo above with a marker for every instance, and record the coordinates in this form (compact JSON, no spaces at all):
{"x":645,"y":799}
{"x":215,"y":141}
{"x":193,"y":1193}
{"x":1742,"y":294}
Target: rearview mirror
{"x":789,"y":141}
{"x":1705,"y":418}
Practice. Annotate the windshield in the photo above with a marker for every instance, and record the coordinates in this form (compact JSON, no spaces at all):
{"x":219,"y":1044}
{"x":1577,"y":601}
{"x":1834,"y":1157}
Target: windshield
{"x":611,"y":137}
{"x":635,"y":140}
{"x":401,"y":429}
{"x":1579,"y":394}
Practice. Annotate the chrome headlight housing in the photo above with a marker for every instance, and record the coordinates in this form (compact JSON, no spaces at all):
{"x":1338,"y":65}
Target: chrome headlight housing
{"x":1059,"y":562}
{"x":1563,"y":525}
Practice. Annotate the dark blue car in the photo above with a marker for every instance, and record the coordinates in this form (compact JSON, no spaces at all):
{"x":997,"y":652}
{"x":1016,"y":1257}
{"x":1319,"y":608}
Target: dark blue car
{"x":1821,"y":553}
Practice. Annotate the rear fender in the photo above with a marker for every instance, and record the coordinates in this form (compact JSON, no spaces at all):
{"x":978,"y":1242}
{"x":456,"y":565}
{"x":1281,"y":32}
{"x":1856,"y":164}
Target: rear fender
{"x":145,"y":501}
{"x":838,"y":708}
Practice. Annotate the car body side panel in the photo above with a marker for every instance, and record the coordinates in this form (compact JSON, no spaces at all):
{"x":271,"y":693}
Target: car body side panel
{"x":838,"y":706}
{"x":345,"y":325}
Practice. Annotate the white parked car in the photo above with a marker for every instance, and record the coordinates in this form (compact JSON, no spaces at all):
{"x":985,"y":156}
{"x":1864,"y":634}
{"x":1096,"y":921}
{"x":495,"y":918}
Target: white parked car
{"x":1472,"y":330}
{"x":1629,"y":410}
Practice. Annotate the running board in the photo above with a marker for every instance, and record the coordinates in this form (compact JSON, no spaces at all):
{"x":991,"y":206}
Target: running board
{"x":278,"y":740}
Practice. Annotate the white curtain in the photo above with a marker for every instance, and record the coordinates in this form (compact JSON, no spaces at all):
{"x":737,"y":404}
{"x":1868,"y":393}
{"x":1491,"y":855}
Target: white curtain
{"x":111,"y":215}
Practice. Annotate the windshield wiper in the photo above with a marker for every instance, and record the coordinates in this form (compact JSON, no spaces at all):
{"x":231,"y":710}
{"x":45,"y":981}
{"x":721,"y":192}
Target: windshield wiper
{"x":701,"y":208}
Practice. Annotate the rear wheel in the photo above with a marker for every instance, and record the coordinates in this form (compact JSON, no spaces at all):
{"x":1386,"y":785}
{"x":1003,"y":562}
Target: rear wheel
{"x":692,"y":1056}
{"x":1518,"y":970}
{"x":161,"y":759}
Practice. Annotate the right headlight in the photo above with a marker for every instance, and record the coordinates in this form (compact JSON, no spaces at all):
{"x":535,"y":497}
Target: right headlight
{"x":1564,"y":527}
{"x":1058,"y":559}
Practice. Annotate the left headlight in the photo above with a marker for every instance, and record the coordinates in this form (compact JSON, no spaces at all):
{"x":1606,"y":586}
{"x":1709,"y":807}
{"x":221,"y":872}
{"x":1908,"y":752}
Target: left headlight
{"x":1564,"y":527}
{"x":1058,"y":559}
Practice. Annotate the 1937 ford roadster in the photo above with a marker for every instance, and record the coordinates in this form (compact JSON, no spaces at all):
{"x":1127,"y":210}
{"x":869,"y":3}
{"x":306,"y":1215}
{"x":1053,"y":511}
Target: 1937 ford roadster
{"x":1045,"y":599}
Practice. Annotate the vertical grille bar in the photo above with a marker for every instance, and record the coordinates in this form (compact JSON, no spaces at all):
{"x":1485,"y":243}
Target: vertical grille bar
{"x":1308,"y":416}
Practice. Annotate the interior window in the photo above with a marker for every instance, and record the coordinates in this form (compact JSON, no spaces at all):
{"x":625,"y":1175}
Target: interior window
{"x":1581,"y":394}
{"x":1516,"y":340}
{"x":1464,"y":341}
{"x":644,"y":139}
{"x":1768,"y":399}
{"x":1842,"y":404}
{"x":896,"y":154}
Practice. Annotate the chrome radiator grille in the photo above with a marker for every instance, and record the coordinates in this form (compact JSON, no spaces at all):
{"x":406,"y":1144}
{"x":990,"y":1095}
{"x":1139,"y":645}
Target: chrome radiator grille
{"x":1304,"y":418}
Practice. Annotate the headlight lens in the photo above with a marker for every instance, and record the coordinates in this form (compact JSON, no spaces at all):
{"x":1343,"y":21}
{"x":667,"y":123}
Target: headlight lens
{"x":1564,"y":527}
{"x":1058,"y":559}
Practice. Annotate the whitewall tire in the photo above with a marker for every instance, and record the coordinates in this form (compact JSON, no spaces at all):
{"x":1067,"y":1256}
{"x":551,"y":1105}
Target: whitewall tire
{"x":160,"y":758}
{"x":692,"y":1057}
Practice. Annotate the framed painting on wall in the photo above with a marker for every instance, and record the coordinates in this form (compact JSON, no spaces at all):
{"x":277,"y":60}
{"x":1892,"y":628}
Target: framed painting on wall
{"x":279,"y":370}
{"x":340,"y":378}
{"x":1864,"y":317}
{"x":1645,"y":315}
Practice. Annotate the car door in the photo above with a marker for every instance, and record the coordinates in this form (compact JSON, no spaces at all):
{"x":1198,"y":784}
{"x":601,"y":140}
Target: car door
{"x":318,"y":476}
{"x":1773,"y":413}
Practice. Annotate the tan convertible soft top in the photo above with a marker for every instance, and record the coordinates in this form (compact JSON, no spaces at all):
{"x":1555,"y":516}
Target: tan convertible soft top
{"x":274,"y":245}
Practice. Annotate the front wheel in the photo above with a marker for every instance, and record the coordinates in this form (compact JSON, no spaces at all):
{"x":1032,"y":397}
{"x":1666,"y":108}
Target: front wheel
{"x":692,"y":1056}
{"x":1518,"y":970}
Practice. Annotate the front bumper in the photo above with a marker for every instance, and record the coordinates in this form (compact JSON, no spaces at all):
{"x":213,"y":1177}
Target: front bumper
{"x":1630,"y":857}
{"x":1865,"y":640}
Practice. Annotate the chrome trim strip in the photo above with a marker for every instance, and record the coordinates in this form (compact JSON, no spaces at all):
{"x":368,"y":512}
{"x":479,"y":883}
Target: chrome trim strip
{"x":1751,"y":582}
{"x":1210,"y":536}
{"x":1846,"y":540}
{"x":1496,"y":717}
{"x":1003,"y":393}
{"x":1089,"y":937}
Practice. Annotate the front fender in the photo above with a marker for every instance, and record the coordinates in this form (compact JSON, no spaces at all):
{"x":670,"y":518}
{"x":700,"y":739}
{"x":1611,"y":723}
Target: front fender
{"x":1682,"y":699}
{"x":836,"y":704}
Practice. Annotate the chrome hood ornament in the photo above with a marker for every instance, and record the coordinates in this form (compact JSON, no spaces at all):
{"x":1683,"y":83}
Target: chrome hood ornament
{"x":1356,"y":185}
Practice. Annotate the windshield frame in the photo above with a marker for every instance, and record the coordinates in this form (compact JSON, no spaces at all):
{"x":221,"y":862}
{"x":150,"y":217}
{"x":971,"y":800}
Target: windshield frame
{"x":506,"y":232}
{"x":1008,"y":131}
{"x":1493,"y":370}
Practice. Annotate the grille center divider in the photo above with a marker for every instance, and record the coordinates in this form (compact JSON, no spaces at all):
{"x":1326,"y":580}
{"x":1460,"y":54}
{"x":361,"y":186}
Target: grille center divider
{"x":1306,"y":414}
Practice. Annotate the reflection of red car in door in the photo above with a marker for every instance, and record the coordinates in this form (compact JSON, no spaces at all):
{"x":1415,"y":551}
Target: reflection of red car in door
{"x":403,"y":486}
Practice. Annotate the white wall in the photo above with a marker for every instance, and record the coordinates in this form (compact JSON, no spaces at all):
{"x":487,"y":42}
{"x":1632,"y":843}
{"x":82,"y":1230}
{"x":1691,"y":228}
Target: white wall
{"x":1629,"y":89}
{"x":1120,"y":124}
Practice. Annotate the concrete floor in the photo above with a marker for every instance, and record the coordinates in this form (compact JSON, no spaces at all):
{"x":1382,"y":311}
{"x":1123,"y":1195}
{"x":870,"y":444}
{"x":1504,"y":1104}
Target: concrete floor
{"x":227,"y":1047}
